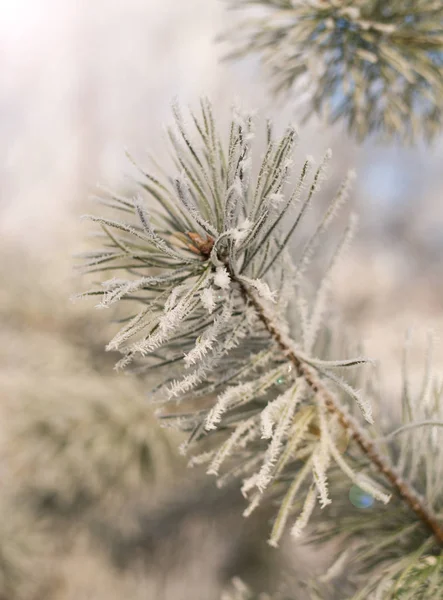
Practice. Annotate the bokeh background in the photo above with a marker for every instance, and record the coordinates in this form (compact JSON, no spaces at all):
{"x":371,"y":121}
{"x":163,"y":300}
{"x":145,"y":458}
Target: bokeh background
{"x":93,"y":502}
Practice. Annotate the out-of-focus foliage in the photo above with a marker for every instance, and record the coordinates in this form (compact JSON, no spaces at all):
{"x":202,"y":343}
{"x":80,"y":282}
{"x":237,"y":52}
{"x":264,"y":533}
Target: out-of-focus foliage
{"x":76,"y":432}
{"x":85,"y":441}
{"x":76,"y":442}
{"x":422,"y":580}
{"x":25,"y":554}
{"x":376,"y":65}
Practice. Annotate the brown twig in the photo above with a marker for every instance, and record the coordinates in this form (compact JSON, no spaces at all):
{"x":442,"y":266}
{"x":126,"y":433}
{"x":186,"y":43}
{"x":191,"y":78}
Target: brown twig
{"x":403,"y":488}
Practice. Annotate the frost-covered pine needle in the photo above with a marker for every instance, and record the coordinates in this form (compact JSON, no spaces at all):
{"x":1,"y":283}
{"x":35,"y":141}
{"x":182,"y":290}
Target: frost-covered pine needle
{"x":308,"y":508}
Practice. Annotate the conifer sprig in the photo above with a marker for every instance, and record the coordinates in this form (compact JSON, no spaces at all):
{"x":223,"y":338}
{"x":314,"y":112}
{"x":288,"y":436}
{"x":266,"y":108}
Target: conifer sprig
{"x":376,"y":65}
{"x":248,"y":375}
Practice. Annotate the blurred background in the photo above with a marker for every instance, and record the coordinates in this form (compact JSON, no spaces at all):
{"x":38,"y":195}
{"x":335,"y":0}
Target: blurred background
{"x":92,"y":501}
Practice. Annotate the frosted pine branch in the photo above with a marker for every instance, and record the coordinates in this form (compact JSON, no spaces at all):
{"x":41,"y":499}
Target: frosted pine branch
{"x":224,"y":321}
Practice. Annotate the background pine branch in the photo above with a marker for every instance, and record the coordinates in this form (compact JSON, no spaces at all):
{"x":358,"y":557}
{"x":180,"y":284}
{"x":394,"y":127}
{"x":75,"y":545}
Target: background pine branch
{"x":375,"y":66}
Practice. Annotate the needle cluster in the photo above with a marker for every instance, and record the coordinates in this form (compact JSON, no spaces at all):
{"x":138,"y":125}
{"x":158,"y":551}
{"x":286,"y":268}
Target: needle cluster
{"x":217,"y":307}
{"x":375,"y":65}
